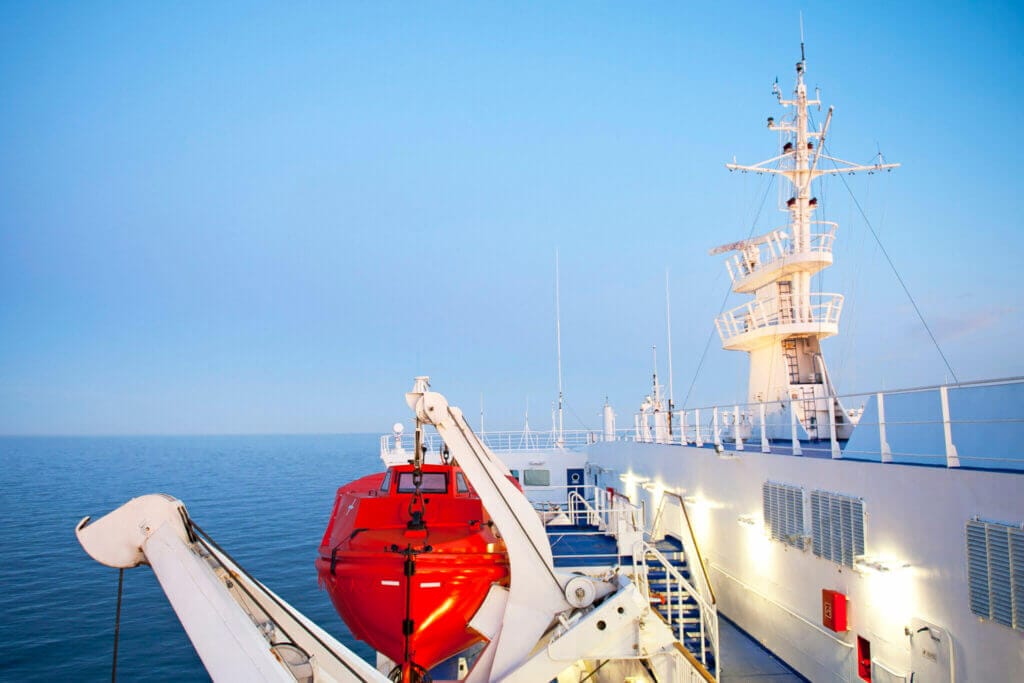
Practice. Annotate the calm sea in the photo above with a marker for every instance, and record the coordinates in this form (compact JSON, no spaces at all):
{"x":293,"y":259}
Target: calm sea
{"x":265,"y":499}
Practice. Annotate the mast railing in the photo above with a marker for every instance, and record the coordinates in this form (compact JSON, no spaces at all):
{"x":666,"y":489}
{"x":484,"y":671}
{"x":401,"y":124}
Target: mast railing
{"x":759,"y":314}
{"x":776,"y":246}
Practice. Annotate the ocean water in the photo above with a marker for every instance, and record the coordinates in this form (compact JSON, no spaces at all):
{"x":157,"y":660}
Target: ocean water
{"x":264,"y":499}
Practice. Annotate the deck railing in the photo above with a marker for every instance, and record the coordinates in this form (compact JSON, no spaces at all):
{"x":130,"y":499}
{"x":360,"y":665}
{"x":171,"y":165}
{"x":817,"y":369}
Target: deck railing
{"x":509,"y":440}
{"x":972,"y":424}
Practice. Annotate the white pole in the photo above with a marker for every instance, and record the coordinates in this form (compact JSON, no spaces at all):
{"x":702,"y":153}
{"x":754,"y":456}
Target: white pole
{"x":952,"y":458}
{"x":764,"y":432}
{"x":737,"y":435}
{"x":558,"y":342}
{"x":836,"y":452}
{"x":792,"y":428}
{"x":883,"y":442}
{"x":668,"y":325}
{"x":717,"y":434}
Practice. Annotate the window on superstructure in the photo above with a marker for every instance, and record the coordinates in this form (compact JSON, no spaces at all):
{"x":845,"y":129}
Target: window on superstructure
{"x":783,"y":509}
{"x":837,"y":527}
{"x":536,"y":477}
{"x":995,"y":571}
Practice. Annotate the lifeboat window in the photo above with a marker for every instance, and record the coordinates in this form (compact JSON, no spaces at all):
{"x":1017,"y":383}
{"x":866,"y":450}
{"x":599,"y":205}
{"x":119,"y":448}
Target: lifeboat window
{"x":460,"y":483}
{"x":536,"y":477}
{"x":433,"y":482}
{"x":386,"y":484}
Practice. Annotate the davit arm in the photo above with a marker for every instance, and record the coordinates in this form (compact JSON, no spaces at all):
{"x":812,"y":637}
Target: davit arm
{"x":536,"y":595}
{"x":230,"y":618}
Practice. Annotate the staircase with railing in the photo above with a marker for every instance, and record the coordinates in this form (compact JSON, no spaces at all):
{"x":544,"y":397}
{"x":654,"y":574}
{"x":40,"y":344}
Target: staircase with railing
{"x":679,"y":593}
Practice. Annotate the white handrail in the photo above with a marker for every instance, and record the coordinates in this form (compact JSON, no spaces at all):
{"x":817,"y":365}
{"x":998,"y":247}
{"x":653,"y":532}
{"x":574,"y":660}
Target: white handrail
{"x":793,"y":309}
{"x":885,"y":427}
{"x":777,"y":246}
{"x":707,"y":613}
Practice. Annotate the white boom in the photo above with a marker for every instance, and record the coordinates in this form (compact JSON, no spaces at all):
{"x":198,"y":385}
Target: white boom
{"x":234,"y":622}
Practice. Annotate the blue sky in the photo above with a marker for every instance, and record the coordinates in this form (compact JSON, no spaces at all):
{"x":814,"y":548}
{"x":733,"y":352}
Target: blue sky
{"x":269,"y":218}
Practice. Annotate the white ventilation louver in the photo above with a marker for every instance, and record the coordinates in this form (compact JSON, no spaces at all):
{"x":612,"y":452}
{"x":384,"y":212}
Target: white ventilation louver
{"x":995,"y":571}
{"x":783,"y":509}
{"x":837,"y":527}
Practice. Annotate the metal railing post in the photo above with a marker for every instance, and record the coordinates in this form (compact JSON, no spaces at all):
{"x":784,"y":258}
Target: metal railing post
{"x":698,"y":440}
{"x":836,"y":452}
{"x":883,"y":442}
{"x":736,"y":427}
{"x":765,"y":448}
{"x":792,"y":428}
{"x":714,"y":427}
{"x":952,"y":457}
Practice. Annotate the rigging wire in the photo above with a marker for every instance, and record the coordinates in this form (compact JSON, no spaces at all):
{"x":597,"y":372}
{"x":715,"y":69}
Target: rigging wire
{"x":117,"y":624}
{"x":899,"y":278}
{"x":211,"y":545}
{"x":578,"y":418}
{"x":728,"y":291}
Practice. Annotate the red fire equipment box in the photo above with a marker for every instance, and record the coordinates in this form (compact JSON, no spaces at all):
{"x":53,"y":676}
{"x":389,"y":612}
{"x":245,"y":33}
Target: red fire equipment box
{"x":864,"y":659}
{"x":833,"y":610}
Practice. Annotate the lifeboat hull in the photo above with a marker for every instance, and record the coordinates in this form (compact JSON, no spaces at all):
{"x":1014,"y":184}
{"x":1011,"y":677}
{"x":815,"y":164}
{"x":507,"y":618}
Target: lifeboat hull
{"x":409,"y":590}
{"x":370,"y":591}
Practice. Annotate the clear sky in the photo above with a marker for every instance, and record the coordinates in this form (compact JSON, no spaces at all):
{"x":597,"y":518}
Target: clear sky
{"x":221,"y":218}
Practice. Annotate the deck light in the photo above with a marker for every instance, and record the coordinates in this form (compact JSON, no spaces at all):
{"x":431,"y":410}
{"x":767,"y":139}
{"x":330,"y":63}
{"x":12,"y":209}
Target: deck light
{"x":878,"y":565}
{"x":747,"y":520}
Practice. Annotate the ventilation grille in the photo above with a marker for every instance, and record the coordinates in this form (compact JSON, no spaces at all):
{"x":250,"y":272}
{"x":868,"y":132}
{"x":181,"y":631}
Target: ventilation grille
{"x":837,"y":527}
{"x":995,"y":571}
{"x":783,"y":508}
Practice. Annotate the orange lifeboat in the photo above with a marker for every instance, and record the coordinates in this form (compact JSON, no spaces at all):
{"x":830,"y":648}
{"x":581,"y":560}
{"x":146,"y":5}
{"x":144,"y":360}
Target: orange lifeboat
{"x":408,"y":557}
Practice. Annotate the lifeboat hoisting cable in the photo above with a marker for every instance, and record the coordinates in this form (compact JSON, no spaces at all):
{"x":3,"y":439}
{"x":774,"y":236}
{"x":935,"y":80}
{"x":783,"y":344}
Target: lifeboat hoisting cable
{"x":409,"y":671}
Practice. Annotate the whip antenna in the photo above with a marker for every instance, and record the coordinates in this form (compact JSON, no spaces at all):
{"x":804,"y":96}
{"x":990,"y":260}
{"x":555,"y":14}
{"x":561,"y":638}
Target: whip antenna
{"x":558,"y":344}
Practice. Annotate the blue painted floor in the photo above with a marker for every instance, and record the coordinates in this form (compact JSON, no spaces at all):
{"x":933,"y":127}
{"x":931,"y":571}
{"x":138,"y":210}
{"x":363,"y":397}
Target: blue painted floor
{"x":744,"y":660}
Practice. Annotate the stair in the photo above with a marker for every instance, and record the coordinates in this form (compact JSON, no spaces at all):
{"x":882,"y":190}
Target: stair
{"x":679,"y":610}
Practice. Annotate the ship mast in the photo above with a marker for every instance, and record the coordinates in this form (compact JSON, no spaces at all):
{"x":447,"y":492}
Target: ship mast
{"x":782,"y":326}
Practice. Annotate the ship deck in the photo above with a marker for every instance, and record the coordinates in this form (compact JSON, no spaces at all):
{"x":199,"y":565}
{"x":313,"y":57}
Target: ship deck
{"x":744,"y":660}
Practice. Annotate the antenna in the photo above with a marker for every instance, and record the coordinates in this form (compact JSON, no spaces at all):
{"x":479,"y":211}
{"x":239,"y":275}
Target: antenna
{"x":802,"y":58}
{"x":668,"y":326}
{"x":654,"y":376}
{"x":558,"y":343}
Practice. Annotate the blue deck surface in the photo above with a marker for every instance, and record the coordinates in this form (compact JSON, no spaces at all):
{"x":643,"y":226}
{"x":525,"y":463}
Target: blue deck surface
{"x":744,"y":660}
{"x":583,"y":546}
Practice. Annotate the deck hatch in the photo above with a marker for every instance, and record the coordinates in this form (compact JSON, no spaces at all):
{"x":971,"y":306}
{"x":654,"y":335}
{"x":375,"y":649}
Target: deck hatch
{"x":995,"y":571}
{"x":783,"y":509}
{"x":837,"y":527}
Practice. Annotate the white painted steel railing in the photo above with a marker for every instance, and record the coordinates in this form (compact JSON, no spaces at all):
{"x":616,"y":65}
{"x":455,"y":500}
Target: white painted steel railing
{"x":699,"y":585}
{"x":793,"y":309}
{"x":776,"y":246}
{"x":971,"y":424}
{"x":497,"y":441}
{"x":677,"y":585}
